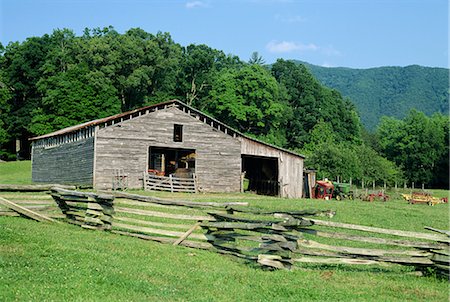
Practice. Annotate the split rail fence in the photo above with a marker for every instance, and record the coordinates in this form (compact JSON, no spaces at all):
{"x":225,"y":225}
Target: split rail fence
{"x":274,"y":239}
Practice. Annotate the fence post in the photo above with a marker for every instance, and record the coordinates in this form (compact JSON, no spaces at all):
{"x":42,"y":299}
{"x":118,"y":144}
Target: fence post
{"x":171,"y":183}
{"x":144,"y":181}
{"x":195,"y":182}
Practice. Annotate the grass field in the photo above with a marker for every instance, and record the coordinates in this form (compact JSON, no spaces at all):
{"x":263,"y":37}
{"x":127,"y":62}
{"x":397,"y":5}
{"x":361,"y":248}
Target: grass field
{"x":44,"y":262}
{"x":15,"y":172}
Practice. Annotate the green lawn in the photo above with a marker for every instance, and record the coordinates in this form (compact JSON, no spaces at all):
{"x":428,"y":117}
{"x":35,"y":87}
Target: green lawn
{"x":45,"y":262}
{"x":40,"y":262}
{"x":15,"y":172}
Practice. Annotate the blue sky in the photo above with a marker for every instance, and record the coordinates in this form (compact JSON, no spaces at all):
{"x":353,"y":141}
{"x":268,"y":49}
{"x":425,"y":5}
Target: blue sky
{"x":348,"y":33}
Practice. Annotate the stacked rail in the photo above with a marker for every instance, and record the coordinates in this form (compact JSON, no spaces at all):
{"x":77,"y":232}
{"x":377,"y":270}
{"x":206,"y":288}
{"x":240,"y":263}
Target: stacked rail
{"x":273,"y":239}
{"x":89,"y":210}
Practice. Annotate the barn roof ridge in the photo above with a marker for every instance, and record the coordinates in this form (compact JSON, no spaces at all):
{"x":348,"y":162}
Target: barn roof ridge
{"x":139,"y":111}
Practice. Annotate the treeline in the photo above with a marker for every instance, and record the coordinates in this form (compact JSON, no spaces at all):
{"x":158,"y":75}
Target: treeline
{"x":389,"y":91}
{"x":58,"y":80}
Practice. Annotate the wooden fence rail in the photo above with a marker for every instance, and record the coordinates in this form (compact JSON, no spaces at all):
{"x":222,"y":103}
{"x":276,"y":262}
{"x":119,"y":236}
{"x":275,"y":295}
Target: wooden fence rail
{"x":276,"y":239}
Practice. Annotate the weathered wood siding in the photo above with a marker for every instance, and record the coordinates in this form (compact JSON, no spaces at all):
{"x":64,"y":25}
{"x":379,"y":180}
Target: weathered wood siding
{"x":290,"y":174}
{"x":66,"y":163}
{"x":125,"y":146}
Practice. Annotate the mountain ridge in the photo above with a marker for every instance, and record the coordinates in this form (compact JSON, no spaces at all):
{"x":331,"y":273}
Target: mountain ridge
{"x":388,"y":90}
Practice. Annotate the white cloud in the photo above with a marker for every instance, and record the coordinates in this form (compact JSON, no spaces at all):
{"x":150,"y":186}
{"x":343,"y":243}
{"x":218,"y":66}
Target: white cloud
{"x":194,"y":4}
{"x":287,"y":46}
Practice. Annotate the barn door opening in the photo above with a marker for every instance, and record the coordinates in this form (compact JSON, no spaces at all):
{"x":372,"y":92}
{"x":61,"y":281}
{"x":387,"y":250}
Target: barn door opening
{"x":261,"y":174}
{"x":171,"y":161}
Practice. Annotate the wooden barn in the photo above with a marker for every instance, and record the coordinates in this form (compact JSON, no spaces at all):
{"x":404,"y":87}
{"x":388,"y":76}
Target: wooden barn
{"x":169,"y":139}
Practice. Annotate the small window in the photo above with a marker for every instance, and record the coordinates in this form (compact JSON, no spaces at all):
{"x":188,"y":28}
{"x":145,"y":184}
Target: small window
{"x":177,"y":133}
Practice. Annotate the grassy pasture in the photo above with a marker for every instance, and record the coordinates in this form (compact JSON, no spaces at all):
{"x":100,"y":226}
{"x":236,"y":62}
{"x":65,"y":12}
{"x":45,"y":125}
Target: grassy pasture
{"x":16,"y":172}
{"x":66,"y":263}
{"x":41,"y":261}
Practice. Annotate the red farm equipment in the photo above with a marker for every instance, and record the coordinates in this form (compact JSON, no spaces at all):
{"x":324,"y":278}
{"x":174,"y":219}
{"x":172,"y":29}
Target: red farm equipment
{"x":327,"y":190}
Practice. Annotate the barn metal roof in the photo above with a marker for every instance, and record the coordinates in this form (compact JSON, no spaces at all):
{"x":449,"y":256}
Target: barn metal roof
{"x":144,"y":110}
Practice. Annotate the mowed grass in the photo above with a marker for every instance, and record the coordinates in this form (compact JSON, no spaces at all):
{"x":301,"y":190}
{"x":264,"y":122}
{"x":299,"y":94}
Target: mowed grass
{"x":15,"y":172}
{"x":45,"y":262}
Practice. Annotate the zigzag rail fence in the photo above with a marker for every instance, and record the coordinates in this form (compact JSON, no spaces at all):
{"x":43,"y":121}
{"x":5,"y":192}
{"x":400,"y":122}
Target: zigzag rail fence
{"x":272,"y":239}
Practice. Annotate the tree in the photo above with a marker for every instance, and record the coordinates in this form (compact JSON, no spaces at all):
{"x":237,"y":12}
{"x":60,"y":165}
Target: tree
{"x":250,"y":100}
{"x":311,"y":103}
{"x":416,"y":143}
{"x":21,"y":64}
{"x":256,"y":59}
{"x":200,"y":63}
{"x":72,"y":97}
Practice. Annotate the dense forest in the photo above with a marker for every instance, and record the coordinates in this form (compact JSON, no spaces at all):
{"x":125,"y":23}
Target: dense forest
{"x":61,"y":79}
{"x":389,"y":91}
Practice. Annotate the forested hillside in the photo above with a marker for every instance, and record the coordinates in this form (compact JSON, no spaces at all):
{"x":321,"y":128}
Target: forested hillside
{"x":61,"y":79}
{"x":390,"y":91}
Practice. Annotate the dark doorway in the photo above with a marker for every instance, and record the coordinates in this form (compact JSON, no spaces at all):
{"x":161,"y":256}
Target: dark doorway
{"x":262,"y":174}
{"x":175,"y":161}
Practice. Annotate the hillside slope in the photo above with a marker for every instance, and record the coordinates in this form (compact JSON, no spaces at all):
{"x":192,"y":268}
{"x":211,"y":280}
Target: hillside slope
{"x":390,"y":91}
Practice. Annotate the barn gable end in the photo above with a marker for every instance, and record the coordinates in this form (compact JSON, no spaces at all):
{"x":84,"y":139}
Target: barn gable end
{"x":126,"y":146}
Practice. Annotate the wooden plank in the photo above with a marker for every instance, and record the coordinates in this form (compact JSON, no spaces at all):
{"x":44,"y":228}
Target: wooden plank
{"x":438,"y":231}
{"x":236,"y":225}
{"x":9,"y":213}
{"x":360,"y":251}
{"x":281,"y":226}
{"x":351,"y":261}
{"x":387,"y":241}
{"x":152,"y":223}
{"x":129,"y":202}
{"x":93,"y":220}
{"x":24,"y":211}
{"x":185,"y":235}
{"x":104,"y":197}
{"x":32,"y":188}
{"x":441,"y":258}
{"x":157,"y":231}
{"x":163,"y":215}
{"x":273,"y":261}
{"x":31,"y":202}
{"x":381,"y":230}
{"x":176,"y":202}
{"x":280,"y":214}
